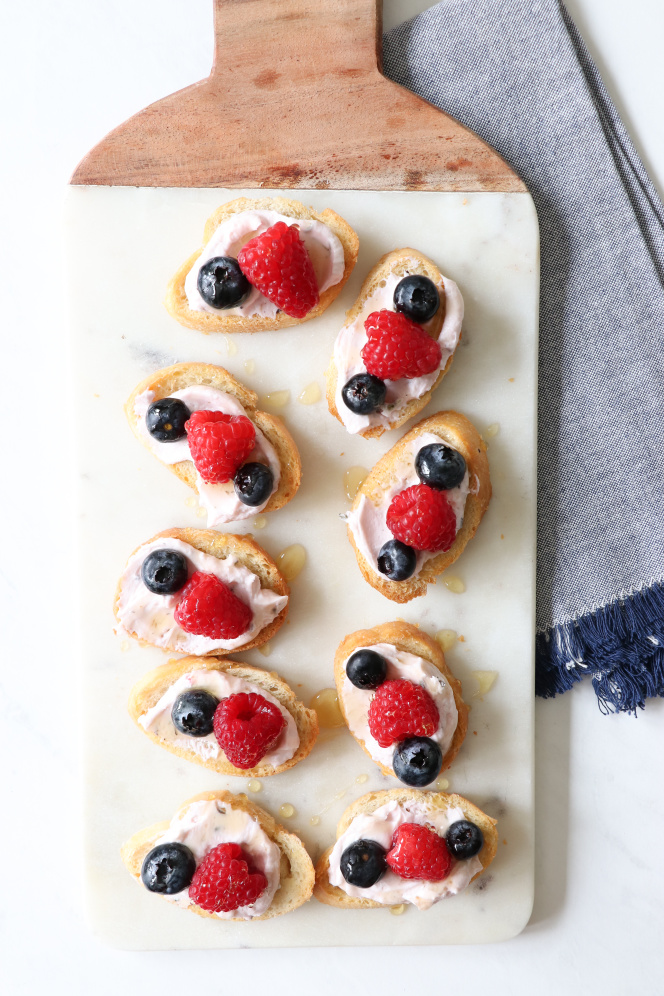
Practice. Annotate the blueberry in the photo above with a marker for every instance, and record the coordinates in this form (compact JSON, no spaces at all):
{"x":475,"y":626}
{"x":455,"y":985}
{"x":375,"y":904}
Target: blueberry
{"x":364,"y":393}
{"x":366,"y":669}
{"x":417,"y":761}
{"x":417,"y":298}
{"x":253,"y":483}
{"x":464,"y":839}
{"x":164,"y":572}
{"x":396,"y":560}
{"x":440,"y":466}
{"x":221,"y":283}
{"x":363,"y":863}
{"x":168,"y":868}
{"x":165,"y":419}
{"x":193,"y":712}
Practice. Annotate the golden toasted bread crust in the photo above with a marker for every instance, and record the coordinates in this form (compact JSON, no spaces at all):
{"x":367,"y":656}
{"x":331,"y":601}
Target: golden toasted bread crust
{"x":146,"y":693}
{"x":399,"y":261}
{"x":297,"y":873}
{"x":176,"y":299}
{"x":220,"y":545}
{"x":411,"y":640}
{"x":458,"y":432}
{"x":165,"y":382}
{"x":333,"y":896}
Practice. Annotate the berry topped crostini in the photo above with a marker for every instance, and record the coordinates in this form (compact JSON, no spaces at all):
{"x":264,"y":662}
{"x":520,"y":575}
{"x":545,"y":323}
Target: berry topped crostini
{"x":396,"y":344}
{"x":420,"y":505}
{"x":195,"y":591}
{"x":229,"y":717}
{"x":404,"y":846}
{"x":222,"y":857}
{"x":400,"y":701}
{"x":265,"y":264}
{"x":204,"y":425}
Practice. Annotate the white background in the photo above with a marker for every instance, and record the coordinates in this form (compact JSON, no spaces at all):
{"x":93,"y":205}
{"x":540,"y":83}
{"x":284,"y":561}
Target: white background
{"x":70,"y":71}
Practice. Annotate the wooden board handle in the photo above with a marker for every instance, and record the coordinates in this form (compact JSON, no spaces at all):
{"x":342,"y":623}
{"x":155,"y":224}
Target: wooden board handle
{"x":295,"y":98}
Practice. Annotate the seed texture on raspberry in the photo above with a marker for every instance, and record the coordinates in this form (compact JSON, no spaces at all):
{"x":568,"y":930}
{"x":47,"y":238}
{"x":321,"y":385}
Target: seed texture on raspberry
{"x":418,"y":852}
{"x":398,"y":348}
{"x":226,"y":880}
{"x":401,"y":709}
{"x":209,"y":608}
{"x":219,"y":443}
{"x":422,"y":518}
{"x":247,"y":727}
{"x":278,"y":264}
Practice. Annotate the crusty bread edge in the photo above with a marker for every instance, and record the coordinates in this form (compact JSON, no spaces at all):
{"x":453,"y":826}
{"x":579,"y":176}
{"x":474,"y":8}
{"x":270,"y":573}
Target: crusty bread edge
{"x":163,"y":383}
{"x":176,"y":299}
{"x":458,"y":432}
{"x":389,"y":263}
{"x":220,"y":545}
{"x":334,"y":896}
{"x":147,"y":692}
{"x":411,"y":640}
{"x":290,"y":894}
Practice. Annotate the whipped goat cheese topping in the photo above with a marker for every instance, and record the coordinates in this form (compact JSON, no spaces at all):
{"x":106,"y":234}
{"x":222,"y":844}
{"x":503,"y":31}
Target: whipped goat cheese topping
{"x":157,"y":719}
{"x":325,"y":251}
{"x":150,"y":617}
{"x":352,"y":339}
{"x":390,"y":888}
{"x":206,"y":824}
{"x":356,"y":701}
{"x":367,"y":521}
{"x":220,"y":500}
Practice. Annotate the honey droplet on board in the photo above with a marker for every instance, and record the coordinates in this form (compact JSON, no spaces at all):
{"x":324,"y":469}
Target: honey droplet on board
{"x":455,"y":584}
{"x":287,"y":810}
{"x":446,"y":638}
{"x":276,"y":399}
{"x":254,"y":785}
{"x":250,"y":366}
{"x":353,"y":480}
{"x":231,"y":347}
{"x":485,"y":681}
{"x":291,"y":561}
{"x":200,"y":512}
{"x":315,"y":820}
{"x":326,"y":706}
{"x":265,"y":650}
{"x":398,"y":910}
{"x":260,"y":522}
{"x":361,"y":779}
{"x":442,"y":784}
{"x":492,"y":430}
{"x":191,"y":501}
{"x":311,"y":394}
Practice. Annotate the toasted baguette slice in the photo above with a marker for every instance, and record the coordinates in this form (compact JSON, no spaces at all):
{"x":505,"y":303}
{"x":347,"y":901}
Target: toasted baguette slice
{"x":398,"y":262}
{"x":248,"y":553}
{"x":411,"y":640}
{"x":454,"y":430}
{"x":176,"y":299}
{"x":331,"y":895}
{"x":297,"y":872}
{"x":147,"y":692}
{"x":164,"y":382}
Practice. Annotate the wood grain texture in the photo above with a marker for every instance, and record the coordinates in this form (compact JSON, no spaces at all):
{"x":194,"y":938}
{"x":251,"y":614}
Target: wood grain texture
{"x":295,"y":99}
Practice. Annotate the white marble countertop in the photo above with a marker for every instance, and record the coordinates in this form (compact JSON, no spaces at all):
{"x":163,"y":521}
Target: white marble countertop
{"x":70,"y":71}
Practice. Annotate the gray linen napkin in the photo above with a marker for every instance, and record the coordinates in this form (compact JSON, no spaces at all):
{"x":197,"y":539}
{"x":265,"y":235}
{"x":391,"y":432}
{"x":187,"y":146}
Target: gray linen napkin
{"x":518,"y":74}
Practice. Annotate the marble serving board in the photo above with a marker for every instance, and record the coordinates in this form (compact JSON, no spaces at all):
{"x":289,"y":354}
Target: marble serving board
{"x":125,"y":243}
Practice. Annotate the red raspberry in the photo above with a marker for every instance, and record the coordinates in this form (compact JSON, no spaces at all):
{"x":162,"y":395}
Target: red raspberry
{"x":209,"y":608}
{"x":418,"y":852}
{"x":423,"y":518}
{"x":225,"y":880}
{"x":219,"y":443}
{"x":401,"y":709}
{"x":277,"y":262}
{"x":247,"y":727}
{"x":398,"y":347}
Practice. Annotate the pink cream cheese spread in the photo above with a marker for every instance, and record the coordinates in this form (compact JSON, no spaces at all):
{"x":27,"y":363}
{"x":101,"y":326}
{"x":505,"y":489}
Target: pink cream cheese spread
{"x":325,"y":251}
{"x":391,"y":889}
{"x":151,"y":618}
{"x":352,"y":338}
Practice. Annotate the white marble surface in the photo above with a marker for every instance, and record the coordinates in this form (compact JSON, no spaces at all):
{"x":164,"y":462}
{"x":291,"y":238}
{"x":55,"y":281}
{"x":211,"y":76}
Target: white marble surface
{"x":69,"y":72}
